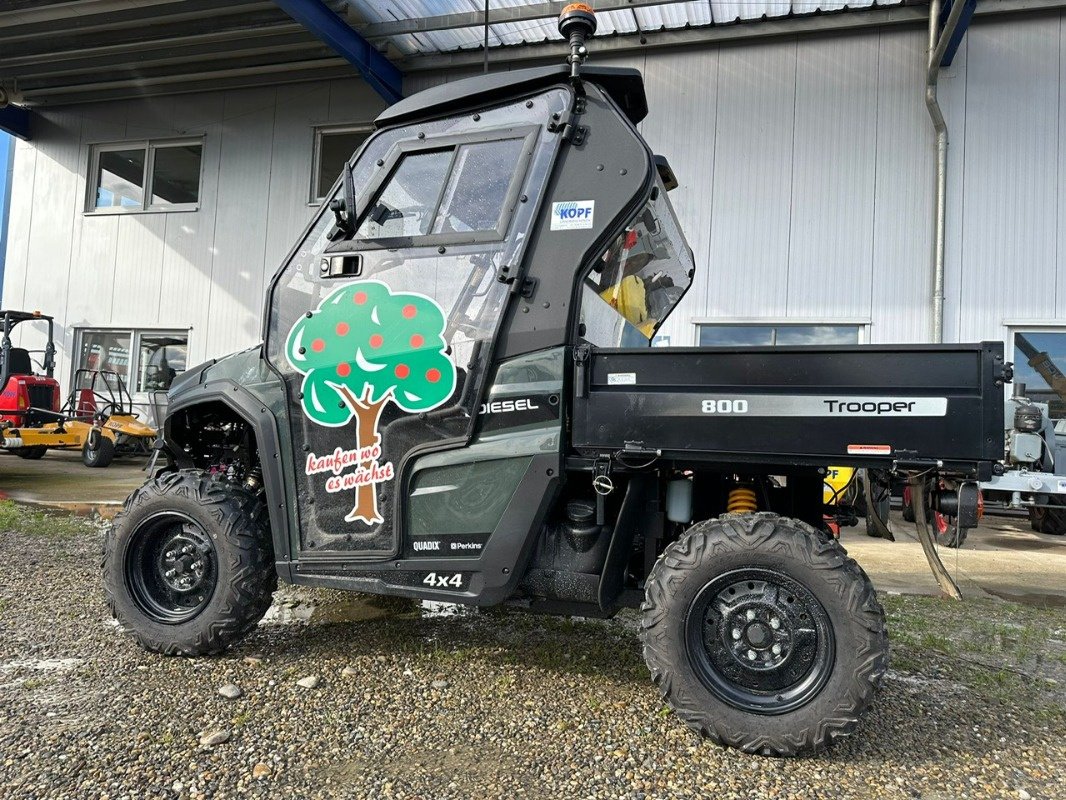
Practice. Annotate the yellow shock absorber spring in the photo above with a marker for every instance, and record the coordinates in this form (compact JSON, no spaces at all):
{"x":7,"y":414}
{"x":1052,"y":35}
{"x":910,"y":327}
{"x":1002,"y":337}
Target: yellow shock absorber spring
{"x":741,"y":500}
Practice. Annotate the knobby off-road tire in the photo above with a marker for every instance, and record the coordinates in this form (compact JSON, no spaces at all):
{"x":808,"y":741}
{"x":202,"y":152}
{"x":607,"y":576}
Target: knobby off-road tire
{"x":188,"y":564}
{"x":1051,"y":519}
{"x":775,"y":582}
{"x":98,"y":451}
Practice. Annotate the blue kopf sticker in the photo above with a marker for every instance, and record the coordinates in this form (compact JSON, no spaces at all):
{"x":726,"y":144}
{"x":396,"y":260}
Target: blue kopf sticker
{"x":572,"y":215}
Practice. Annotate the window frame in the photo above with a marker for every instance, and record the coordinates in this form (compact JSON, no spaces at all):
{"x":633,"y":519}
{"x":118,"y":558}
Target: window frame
{"x":318,"y":132}
{"x":405,"y":147}
{"x":134,"y":336}
{"x":1015,"y":327}
{"x":862,"y":326}
{"x":149,"y":146}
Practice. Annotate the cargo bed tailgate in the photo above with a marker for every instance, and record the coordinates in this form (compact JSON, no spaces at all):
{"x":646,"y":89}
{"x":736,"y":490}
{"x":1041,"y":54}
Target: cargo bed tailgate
{"x":866,"y":405}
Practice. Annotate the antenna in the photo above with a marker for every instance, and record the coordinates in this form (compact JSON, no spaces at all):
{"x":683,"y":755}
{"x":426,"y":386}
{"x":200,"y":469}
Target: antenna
{"x":577,"y":22}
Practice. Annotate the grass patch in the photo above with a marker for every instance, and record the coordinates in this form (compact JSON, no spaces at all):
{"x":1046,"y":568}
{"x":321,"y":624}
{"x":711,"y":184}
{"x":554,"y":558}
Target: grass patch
{"x":1007,"y":653}
{"x":15,"y":518}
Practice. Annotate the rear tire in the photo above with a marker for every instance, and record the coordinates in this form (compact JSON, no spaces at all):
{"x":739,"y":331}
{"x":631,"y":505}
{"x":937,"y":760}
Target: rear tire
{"x":99,"y":453}
{"x":1050,"y":519}
{"x":31,"y":453}
{"x":908,"y":508}
{"x":188,"y":564}
{"x":720,"y":580}
{"x":954,"y":536}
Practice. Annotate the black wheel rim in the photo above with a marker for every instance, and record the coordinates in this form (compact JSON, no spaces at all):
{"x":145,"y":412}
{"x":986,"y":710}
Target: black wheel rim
{"x":760,"y":641}
{"x":171,"y":568}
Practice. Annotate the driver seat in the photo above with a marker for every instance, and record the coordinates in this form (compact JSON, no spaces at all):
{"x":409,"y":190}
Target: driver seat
{"x":19,"y":361}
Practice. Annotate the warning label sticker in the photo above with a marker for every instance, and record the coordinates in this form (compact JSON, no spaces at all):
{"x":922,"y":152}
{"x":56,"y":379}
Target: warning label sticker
{"x":869,"y":450}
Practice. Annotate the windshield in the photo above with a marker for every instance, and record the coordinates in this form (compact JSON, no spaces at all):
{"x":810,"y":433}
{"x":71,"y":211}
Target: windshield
{"x":638,"y":280}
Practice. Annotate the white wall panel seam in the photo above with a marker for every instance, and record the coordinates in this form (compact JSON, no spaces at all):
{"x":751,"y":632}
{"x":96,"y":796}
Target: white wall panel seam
{"x":29,"y":230}
{"x":792,"y":174}
{"x":1060,"y":305}
{"x":873,"y":186}
{"x":162,"y":269}
{"x":691,"y":329}
{"x":214,"y":221}
{"x":79,"y":191}
{"x":960,"y":245}
{"x":270,"y":177}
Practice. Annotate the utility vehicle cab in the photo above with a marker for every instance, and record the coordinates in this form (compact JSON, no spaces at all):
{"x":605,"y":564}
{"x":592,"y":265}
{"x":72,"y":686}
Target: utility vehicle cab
{"x":456,"y":400}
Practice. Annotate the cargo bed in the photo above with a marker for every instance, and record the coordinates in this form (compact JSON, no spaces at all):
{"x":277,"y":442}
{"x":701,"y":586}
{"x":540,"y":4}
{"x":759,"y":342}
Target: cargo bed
{"x":902,"y":406}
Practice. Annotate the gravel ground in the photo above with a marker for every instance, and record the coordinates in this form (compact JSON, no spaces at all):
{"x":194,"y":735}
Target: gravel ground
{"x":497,"y":704}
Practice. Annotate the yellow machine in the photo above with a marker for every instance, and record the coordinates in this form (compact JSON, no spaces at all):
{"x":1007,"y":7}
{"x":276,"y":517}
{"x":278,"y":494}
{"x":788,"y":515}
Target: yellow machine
{"x":98,"y":419}
{"x":835,"y":484}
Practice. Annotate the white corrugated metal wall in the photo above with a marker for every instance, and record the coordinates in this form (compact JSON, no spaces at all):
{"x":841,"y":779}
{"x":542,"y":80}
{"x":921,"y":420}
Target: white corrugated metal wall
{"x":207,"y":269}
{"x":806,"y":172}
{"x":806,"y":169}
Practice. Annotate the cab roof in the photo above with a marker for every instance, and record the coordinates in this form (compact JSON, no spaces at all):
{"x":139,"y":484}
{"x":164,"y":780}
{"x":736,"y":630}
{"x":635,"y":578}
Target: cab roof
{"x":22,"y":316}
{"x":623,"y":84}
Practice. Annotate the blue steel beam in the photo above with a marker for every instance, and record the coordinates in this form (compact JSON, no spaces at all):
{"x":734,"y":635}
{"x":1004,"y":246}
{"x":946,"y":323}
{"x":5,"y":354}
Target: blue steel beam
{"x":969,"y":7}
{"x":16,"y":121}
{"x":319,"y":19}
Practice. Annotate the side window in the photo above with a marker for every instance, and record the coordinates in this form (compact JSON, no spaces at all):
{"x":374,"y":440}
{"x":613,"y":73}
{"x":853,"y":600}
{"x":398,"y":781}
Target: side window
{"x":638,"y":280}
{"x":733,"y":335}
{"x":406,"y":204}
{"x":1040,"y":363}
{"x":478,"y":186}
{"x":464,"y":190}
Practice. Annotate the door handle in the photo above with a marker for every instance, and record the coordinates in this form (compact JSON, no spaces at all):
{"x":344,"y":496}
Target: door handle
{"x":340,"y":266}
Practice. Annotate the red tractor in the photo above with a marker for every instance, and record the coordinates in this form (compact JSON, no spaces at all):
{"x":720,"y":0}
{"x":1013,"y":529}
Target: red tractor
{"x":28,"y":399}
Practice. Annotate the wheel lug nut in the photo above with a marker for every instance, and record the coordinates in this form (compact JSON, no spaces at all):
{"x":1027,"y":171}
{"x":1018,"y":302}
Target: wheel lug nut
{"x":750,"y":615}
{"x":751,"y":655}
{"x":777,"y":649}
{"x":775,"y":623}
{"x":736,"y":633}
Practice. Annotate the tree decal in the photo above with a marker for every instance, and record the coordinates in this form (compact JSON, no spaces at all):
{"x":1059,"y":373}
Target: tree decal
{"x":362,"y":348}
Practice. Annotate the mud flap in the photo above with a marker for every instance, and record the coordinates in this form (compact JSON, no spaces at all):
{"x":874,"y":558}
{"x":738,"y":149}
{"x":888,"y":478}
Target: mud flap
{"x":925,"y":536}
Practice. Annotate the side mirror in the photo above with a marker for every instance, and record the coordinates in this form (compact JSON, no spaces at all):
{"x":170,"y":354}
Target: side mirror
{"x":666,"y":173}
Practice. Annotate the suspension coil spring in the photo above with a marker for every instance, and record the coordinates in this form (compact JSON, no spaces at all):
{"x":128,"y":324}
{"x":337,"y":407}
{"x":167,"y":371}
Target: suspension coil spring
{"x":741,"y":500}
{"x":254,"y":480}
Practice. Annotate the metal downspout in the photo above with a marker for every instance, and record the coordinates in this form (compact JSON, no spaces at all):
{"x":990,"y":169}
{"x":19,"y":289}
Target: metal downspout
{"x":937,"y":48}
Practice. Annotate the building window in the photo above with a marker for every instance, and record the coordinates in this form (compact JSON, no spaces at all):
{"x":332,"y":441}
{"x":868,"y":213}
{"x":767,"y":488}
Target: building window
{"x":151,"y":358}
{"x":726,"y":335}
{"x":159,"y":175}
{"x":334,"y":145}
{"x":1040,"y":363}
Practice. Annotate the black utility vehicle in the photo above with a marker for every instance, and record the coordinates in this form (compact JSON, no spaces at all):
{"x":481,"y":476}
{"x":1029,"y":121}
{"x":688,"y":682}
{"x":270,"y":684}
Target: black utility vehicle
{"x":456,"y":399}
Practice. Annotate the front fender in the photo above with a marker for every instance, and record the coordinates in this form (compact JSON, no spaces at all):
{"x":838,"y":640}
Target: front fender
{"x":226,"y":382}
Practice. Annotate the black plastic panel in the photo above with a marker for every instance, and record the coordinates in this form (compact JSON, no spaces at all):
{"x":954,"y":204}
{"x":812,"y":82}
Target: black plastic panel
{"x":860,"y":405}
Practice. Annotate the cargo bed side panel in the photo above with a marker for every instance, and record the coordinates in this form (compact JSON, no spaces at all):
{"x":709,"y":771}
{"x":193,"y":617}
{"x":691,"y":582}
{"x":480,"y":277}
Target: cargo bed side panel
{"x":862,"y":405}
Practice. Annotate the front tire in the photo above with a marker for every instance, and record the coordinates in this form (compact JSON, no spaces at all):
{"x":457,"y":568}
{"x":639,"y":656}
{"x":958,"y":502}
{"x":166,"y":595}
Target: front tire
{"x":98,"y":450}
{"x":188,"y":564}
{"x":31,"y":453}
{"x":763,"y":635}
